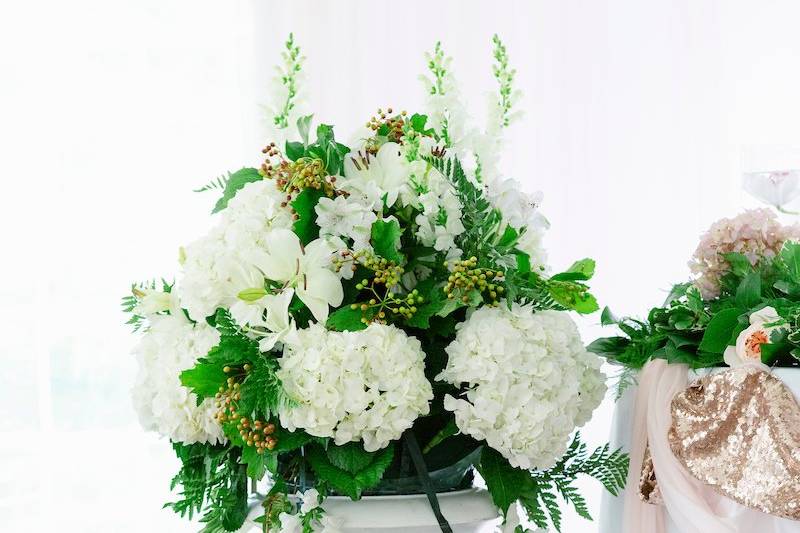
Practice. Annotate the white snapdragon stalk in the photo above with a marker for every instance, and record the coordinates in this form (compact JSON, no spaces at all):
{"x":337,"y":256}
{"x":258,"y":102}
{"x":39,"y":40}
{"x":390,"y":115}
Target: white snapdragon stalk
{"x":530,"y":382}
{"x":365,"y":385}
{"x":171,"y":345}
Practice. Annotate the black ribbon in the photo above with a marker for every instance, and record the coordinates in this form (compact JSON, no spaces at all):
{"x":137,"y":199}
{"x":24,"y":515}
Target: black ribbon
{"x":425,"y":480}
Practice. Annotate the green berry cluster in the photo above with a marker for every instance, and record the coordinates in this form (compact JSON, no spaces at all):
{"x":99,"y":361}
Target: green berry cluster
{"x":466,"y":276}
{"x":258,"y":433}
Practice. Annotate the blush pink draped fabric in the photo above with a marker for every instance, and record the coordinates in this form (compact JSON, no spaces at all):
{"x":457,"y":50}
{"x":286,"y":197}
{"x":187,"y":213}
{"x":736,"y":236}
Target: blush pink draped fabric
{"x":689,"y":505}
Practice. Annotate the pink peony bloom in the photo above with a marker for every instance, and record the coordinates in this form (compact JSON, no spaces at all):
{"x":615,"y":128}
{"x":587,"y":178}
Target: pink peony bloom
{"x":755,"y":233}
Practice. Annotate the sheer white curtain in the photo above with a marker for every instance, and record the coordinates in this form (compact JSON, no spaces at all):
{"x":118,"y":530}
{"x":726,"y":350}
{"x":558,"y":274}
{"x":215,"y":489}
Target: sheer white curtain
{"x":113,"y":111}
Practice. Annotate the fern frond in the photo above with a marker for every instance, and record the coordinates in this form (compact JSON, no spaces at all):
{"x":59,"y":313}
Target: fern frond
{"x":216,"y":184}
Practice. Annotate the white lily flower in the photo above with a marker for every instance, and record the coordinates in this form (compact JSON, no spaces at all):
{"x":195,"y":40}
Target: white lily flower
{"x":373,"y":177}
{"x":305,"y":269}
{"x":278,"y":322}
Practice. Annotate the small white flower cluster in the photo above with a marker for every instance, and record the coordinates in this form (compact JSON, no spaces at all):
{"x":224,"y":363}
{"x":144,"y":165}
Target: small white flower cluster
{"x":530,"y":380}
{"x":365,"y":385}
{"x":310,"y":512}
{"x":346,"y":217}
{"x":440,"y":220}
{"x":171,"y":345}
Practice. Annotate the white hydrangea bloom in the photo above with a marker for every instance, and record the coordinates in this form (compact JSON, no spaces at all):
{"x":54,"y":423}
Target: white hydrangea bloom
{"x":219,"y":265}
{"x":171,"y":345}
{"x":530,"y":380}
{"x":346,"y":217}
{"x":365,"y":385}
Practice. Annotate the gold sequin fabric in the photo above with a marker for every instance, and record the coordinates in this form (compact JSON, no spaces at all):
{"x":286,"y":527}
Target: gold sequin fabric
{"x":738,"y":431}
{"x":648,"y":484}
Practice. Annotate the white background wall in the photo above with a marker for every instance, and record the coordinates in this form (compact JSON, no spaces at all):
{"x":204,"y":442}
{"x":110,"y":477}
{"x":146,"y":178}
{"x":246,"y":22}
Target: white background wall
{"x":111,"y":112}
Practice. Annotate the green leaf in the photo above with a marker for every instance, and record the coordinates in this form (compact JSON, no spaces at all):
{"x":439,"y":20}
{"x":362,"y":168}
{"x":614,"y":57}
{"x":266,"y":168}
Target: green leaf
{"x":435,"y":302}
{"x":204,"y":379}
{"x":346,"y":319}
{"x":609,"y":347}
{"x":607,"y":318}
{"x":305,"y":226}
{"x":740,"y":264}
{"x":448,"y":430}
{"x":579,"y":271}
{"x":251,"y":295}
{"x":748,"y":294}
{"x":523,"y":263}
{"x":347,"y":483}
{"x":450,"y":305}
{"x":790,"y":255}
{"x":418,"y":122}
{"x":288,"y":441}
{"x":719,"y":331}
{"x":237,"y":180}
{"x":350,"y":457}
{"x":295,"y":150}
{"x":386,"y":239}
{"x":256,"y":467}
{"x":505,"y":483}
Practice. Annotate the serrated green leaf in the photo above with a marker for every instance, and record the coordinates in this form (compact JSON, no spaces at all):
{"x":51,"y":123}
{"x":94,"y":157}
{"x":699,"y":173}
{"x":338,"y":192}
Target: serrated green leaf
{"x":204,"y":379}
{"x":237,"y":180}
{"x":505,"y":483}
{"x":352,"y":485}
{"x":346,"y":319}
{"x":579,"y":271}
{"x":350,"y":457}
{"x":256,"y":467}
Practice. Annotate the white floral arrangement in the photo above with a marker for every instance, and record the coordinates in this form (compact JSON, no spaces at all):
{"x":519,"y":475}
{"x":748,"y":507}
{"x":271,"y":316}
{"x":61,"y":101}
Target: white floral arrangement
{"x":354,"y":307}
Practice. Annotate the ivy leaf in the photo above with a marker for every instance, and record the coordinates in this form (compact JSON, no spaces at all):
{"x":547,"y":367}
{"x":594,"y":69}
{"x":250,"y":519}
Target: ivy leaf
{"x":346,"y":319}
{"x":347,"y":483}
{"x":386,"y":239}
{"x":204,"y":379}
{"x":505,"y":483}
{"x":719,"y":331}
{"x":350,"y":457}
{"x":305,"y":226}
{"x":237,"y":180}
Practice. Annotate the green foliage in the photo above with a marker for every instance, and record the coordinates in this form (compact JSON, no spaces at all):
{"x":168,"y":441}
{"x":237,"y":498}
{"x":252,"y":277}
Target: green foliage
{"x":305,"y":227}
{"x":234,"y":183}
{"x":349,"y":483}
{"x":261,"y":391}
{"x":346,"y":319}
{"x":350,"y":457}
{"x":537,"y":491}
{"x":386,"y":239}
{"x":218,"y":183}
{"x":131,"y":301}
{"x":213,"y":480}
{"x":688,"y":329}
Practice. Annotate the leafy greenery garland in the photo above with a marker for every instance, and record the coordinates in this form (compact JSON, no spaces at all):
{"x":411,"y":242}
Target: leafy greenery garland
{"x":688,"y":329}
{"x":213,"y":478}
